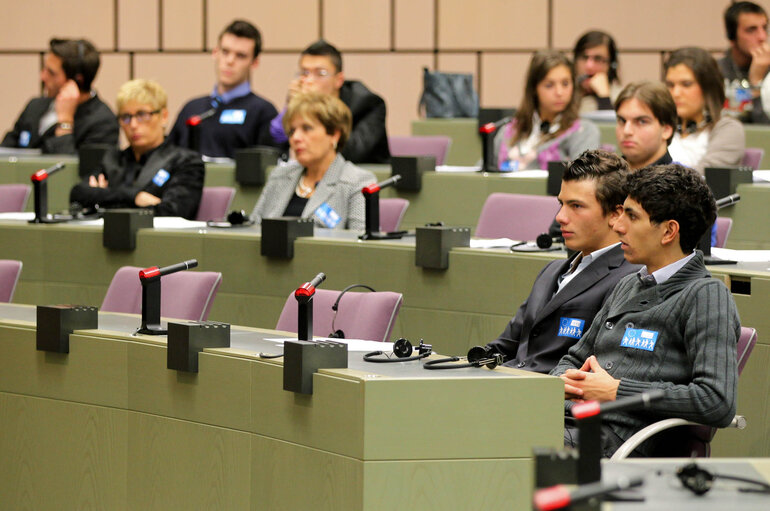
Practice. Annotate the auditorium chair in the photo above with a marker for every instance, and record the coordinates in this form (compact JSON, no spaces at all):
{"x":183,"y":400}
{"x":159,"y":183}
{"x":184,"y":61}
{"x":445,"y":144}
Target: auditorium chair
{"x":13,"y":198}
{"x":724,"y":225}
{"x":421,"y":145}
{"x":215,"y":203}
{"x":391,"y":213}
{"x":364,"y":315}
{"x":184,"y":295}
{"x":516,"y":216}
{"x":9,"y":276}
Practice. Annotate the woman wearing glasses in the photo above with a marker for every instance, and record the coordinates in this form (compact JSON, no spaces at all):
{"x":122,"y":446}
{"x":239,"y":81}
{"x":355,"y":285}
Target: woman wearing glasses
{"x":546,"y":127}
{"x":596,"y":68}
{"x":320,"y":184}
{"x":150,"y":172}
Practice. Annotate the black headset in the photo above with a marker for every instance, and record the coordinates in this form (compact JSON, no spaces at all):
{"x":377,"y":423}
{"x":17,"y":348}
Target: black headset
{"x":478,"y":356}
{"x":239,"y":218}
{"x":339,"y":334}
{"x":699,"y":480}
{"x":402,"y":349}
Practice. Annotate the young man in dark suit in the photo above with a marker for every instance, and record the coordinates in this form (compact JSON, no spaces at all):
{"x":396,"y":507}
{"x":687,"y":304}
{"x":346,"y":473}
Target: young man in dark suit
{"x":70,"y":114}
{"x":567,"y":294}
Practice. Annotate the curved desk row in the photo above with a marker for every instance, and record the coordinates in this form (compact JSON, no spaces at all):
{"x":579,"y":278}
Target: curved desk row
{"x":108,"y":426}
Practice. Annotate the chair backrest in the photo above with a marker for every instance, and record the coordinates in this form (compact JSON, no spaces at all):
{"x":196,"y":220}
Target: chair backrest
{"x":215,"y":203}
{"x":391,"y":213}
{"x":516,"y":216}
{"x":367,"y":315}
{"x":699,"y":438}
{"x":752,"y":157}
{"x":9,"y":276}
{"x":184,"y":295}
{"x":724,"y":225}
{"x":421,"y":145}
{"x":13,"y":198}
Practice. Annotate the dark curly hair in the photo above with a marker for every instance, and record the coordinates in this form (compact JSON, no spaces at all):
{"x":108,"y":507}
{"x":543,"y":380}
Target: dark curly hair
{"x":675,"y":192}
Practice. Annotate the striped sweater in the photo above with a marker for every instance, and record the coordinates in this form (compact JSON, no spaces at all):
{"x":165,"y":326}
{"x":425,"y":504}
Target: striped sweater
{"x":694,"y":356}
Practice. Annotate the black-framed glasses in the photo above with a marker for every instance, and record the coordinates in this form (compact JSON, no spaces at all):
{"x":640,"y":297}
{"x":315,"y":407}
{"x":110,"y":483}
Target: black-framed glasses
{"x":142,"y":116}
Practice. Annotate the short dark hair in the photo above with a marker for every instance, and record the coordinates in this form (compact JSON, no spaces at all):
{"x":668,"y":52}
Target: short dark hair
{"x":608,"y":169}
{"x":321,"y":48}
{"x":733,"y":11}
{"x":675,"y":192}
{"x":596,"y":38}
{"x":79,"y":60}
{"x":242,"y":28}
{"x":708,"y":75}
{"x":657,"y":98}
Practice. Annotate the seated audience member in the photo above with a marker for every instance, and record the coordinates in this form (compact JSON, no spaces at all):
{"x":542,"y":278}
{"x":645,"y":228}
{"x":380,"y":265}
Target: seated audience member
{"x":546,"y":127}
{"x":567,"y":294}
{"x":320,"y":184}
{"x":320,"y":70}
{"x":238,"y":118}
{"x":746,"y":62}
{"x":704,"y":137}
{"x":670,"y":327}
{"x":596,"y":67}
{"x":70,"y":114}
{"x":646,"y":122}
{"x":151,"y":172}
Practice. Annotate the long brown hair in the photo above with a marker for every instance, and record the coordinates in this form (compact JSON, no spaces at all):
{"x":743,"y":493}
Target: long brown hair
{"x":541,"y":64}
{"x":708,"y":75}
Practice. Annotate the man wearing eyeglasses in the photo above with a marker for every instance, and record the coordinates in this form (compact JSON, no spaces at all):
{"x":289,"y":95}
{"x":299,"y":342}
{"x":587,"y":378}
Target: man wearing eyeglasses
{"x":320,"y":70}
{"x":151,"y":172}
{"x":70,"y":114}
{"x":232,"y":116}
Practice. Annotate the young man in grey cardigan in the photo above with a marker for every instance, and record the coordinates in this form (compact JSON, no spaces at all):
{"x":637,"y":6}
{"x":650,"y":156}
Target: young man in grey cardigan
{"x":671,"y":326}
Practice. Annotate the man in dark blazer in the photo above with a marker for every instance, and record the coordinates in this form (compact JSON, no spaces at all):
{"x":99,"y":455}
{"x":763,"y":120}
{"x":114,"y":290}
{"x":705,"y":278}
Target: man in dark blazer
{"x":320,"y":69}
{"x":70,"y":114}
{"x":567,"y":294}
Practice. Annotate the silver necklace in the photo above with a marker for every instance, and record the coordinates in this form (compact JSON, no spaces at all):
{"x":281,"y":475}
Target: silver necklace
{"x":303,"y":190}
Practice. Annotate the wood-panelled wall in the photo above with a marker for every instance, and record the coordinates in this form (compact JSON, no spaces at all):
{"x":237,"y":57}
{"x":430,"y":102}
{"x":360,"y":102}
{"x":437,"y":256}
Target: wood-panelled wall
{"x":386,"y":43}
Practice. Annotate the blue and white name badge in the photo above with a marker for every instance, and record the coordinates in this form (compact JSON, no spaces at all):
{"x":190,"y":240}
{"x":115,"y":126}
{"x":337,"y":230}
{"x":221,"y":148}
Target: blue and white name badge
{"x":571,"y":327}
{"x":327,"y":215}
{"x":639,"y":338}
{"x":232,"y":116}
{"x":161,"y":177}
{"x":24,"y":138}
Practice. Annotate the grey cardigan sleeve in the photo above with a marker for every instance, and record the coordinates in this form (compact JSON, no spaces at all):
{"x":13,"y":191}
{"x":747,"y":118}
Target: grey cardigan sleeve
{"x":726,"y":145}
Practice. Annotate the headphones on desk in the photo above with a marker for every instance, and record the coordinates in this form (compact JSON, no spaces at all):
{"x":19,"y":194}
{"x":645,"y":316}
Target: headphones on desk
{"x":402,"y":349}
{"x":338,"y":333}
{"x":478,"y":356}
{"x":699,"y":480}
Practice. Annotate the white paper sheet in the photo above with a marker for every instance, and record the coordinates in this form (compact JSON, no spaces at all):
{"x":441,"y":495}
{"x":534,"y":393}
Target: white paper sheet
{"x":17,"y":216}
{"x":175,"y":222}
{"x":745,"y":256}
{"x":492,"y":243}
{"x":353,"y":344}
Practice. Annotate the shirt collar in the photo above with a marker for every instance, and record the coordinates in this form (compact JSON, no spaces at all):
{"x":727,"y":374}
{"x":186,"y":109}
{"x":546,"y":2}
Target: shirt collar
{"x":663,"y":274}
{"x":238,"y":92}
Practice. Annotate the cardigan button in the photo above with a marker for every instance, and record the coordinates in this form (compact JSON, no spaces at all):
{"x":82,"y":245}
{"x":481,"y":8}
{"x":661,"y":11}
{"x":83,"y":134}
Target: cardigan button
{"x":609,"y":325}
{"x":608,"y":365}
{"x":629,"y":325}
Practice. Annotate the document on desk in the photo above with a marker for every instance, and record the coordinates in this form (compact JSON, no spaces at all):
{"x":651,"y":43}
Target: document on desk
{"x":175,"y":222}
{"x":353,"y":344}
{"x":17,"y":216}
{"x":743,"y":256}
{"x":761,"y":176}
{"x":492,"y":243}
{"x":526,"y":173}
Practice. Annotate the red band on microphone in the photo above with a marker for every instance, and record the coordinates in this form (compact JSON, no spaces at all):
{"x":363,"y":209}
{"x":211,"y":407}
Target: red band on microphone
{"x":149,"y":273}
{"x":40,"y":175}
{"x":487,"y":128}
{"x":194,"y":120}
{"x":587,"y":409}
{"x":369,"y":190}
{"x":555,"y":497}
{"x":304,"y":290}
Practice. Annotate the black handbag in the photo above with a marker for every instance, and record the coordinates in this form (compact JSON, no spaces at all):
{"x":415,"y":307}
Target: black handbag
{"x":449,"y":95}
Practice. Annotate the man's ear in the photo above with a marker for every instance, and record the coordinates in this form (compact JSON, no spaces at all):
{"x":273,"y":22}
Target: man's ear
{"x":254,"y":63}
{"x":339,"y":79}
{"x":668,"y":132}
{"x":670,"y":232}
{"x":614,"y":215}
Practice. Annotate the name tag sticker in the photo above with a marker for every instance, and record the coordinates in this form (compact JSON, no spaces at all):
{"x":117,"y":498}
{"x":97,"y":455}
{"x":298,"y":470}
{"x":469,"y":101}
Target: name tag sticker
{"x":571,"y":327}
{"x":639,"y":339}
{"x":232,"y":116}
{"x":161,"y":177}
{"x":327,"y":216}
{"x":24,"y":138}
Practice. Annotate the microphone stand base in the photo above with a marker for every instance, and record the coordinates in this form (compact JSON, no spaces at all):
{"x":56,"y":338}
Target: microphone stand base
{"x":152,"y":330}
{"x":393,"y":235}
{"x":51,"y":219}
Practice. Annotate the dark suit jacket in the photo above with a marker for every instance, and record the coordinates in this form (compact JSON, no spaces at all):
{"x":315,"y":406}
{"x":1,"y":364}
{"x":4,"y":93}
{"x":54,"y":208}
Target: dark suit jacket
{"x":94,"y":123}
{"x":179,"y":187}
{"x":368,"y":142}
{"x":536,"y":324}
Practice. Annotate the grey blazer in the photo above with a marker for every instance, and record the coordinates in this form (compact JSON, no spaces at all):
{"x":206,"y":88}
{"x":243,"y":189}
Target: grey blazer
{"x":340,"y":188}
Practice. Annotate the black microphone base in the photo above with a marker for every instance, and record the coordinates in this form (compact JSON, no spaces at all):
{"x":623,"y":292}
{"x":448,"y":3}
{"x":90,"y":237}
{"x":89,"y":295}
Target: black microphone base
{"x":709,"y":260}
{"x":393,"y":235}
{"x":152,"y":330}
{"x":51,"y":219}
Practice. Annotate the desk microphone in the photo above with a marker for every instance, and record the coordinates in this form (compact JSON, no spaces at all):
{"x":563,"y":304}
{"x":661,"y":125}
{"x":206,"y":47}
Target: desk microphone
{"x":559,"y":497}
{"x":491,"y":127}
{"x":728,"y":200}
{"x":374,"y":188}
{"x":154,"y":273}
{"x":639,"y":401}
{"x":195,"y":120}
{"x":42,"y":174}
